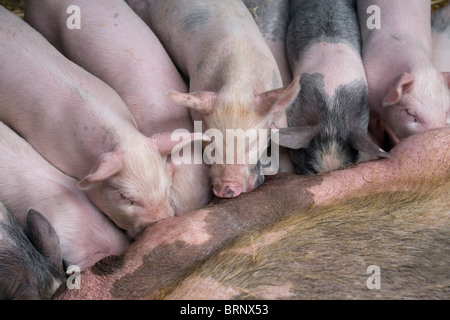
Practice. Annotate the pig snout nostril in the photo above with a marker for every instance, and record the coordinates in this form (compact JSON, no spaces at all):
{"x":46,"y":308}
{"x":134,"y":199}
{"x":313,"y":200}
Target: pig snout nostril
{"x":227,"y":191}
{"x":217,"y":191}
{"x":223,"y":192}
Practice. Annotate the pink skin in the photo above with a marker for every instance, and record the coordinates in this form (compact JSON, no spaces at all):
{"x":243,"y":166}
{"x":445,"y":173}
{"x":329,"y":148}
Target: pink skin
{"x":410,"y":168}
{"x":29,"y":181}
{"x":269,"y":18}
{"x":339,"y":64}
{"x":135,"y":64}
{"x":230,"y":68}
{"x":405,"y":88}
{"x":441,"y":41}
{"x":83,"y":128}
{"x":277,"y":48}
{"x":266,"y":18}
{"x":228,"y":189}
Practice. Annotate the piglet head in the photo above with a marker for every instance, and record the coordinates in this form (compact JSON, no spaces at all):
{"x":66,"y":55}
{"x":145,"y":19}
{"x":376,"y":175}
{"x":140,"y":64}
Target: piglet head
{"x":132,"y":185}
{"x":314,"y":152}
{"x":328,"y":133}
{"x":238,"y":125}
{"x":31,"y":265}
{"x":417,"y":102}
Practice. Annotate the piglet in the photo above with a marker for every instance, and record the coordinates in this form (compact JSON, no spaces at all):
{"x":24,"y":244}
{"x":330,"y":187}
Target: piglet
{"x":135,"y":64}
{"x":440,"y":26}
{"x":328,"y":122}
{"x":28,"y":180}
{"x":234,"y":81}
{"x":272,"y":18}
{"x":406,"y":90}
{"x":30,"y":257}
{"x":82,"y":127}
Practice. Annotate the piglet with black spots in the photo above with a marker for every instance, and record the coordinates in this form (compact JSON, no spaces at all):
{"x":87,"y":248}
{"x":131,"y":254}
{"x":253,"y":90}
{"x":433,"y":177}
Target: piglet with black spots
{"x":30,"y":257}
{"x":328,"y":122}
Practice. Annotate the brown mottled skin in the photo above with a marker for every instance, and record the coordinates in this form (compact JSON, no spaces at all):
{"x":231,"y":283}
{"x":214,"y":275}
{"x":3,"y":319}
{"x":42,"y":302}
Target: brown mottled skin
{"x":172,"y":247}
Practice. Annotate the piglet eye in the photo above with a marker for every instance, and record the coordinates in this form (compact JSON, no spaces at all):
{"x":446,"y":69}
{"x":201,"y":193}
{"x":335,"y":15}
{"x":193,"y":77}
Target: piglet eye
{"x":125,"y":198}
{"x":411,"y":115}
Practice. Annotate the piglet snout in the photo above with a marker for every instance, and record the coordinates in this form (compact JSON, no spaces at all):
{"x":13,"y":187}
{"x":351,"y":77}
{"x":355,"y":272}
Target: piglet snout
{"x":227,"y":191}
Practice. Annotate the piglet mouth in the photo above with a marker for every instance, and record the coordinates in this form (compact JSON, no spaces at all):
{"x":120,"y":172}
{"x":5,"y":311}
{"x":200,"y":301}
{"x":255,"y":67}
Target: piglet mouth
{"x":382,"y":133}
{"x":390,"y":138}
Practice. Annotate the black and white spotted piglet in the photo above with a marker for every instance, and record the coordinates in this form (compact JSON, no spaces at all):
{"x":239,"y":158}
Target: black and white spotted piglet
{"x":30,"y":258}
{"x":327,"y":126}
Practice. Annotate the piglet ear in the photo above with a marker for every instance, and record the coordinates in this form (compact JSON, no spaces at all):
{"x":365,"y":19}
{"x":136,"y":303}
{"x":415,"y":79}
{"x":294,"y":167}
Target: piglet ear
{"x":277,"y":100}
{"x":361,"y":141}
{"x":169,"y":142}
{"x":403,"y":85}
{"x":43,"y":236}
{"x":28,"y":293}
{"x":446,"y":76}
{"x":202,"y":101}
{"x":297,"y":137}
{"x":107,"y":165}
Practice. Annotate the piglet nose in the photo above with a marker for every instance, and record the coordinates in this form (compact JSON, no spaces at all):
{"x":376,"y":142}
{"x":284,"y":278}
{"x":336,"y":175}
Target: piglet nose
{"x":227,"y":191}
